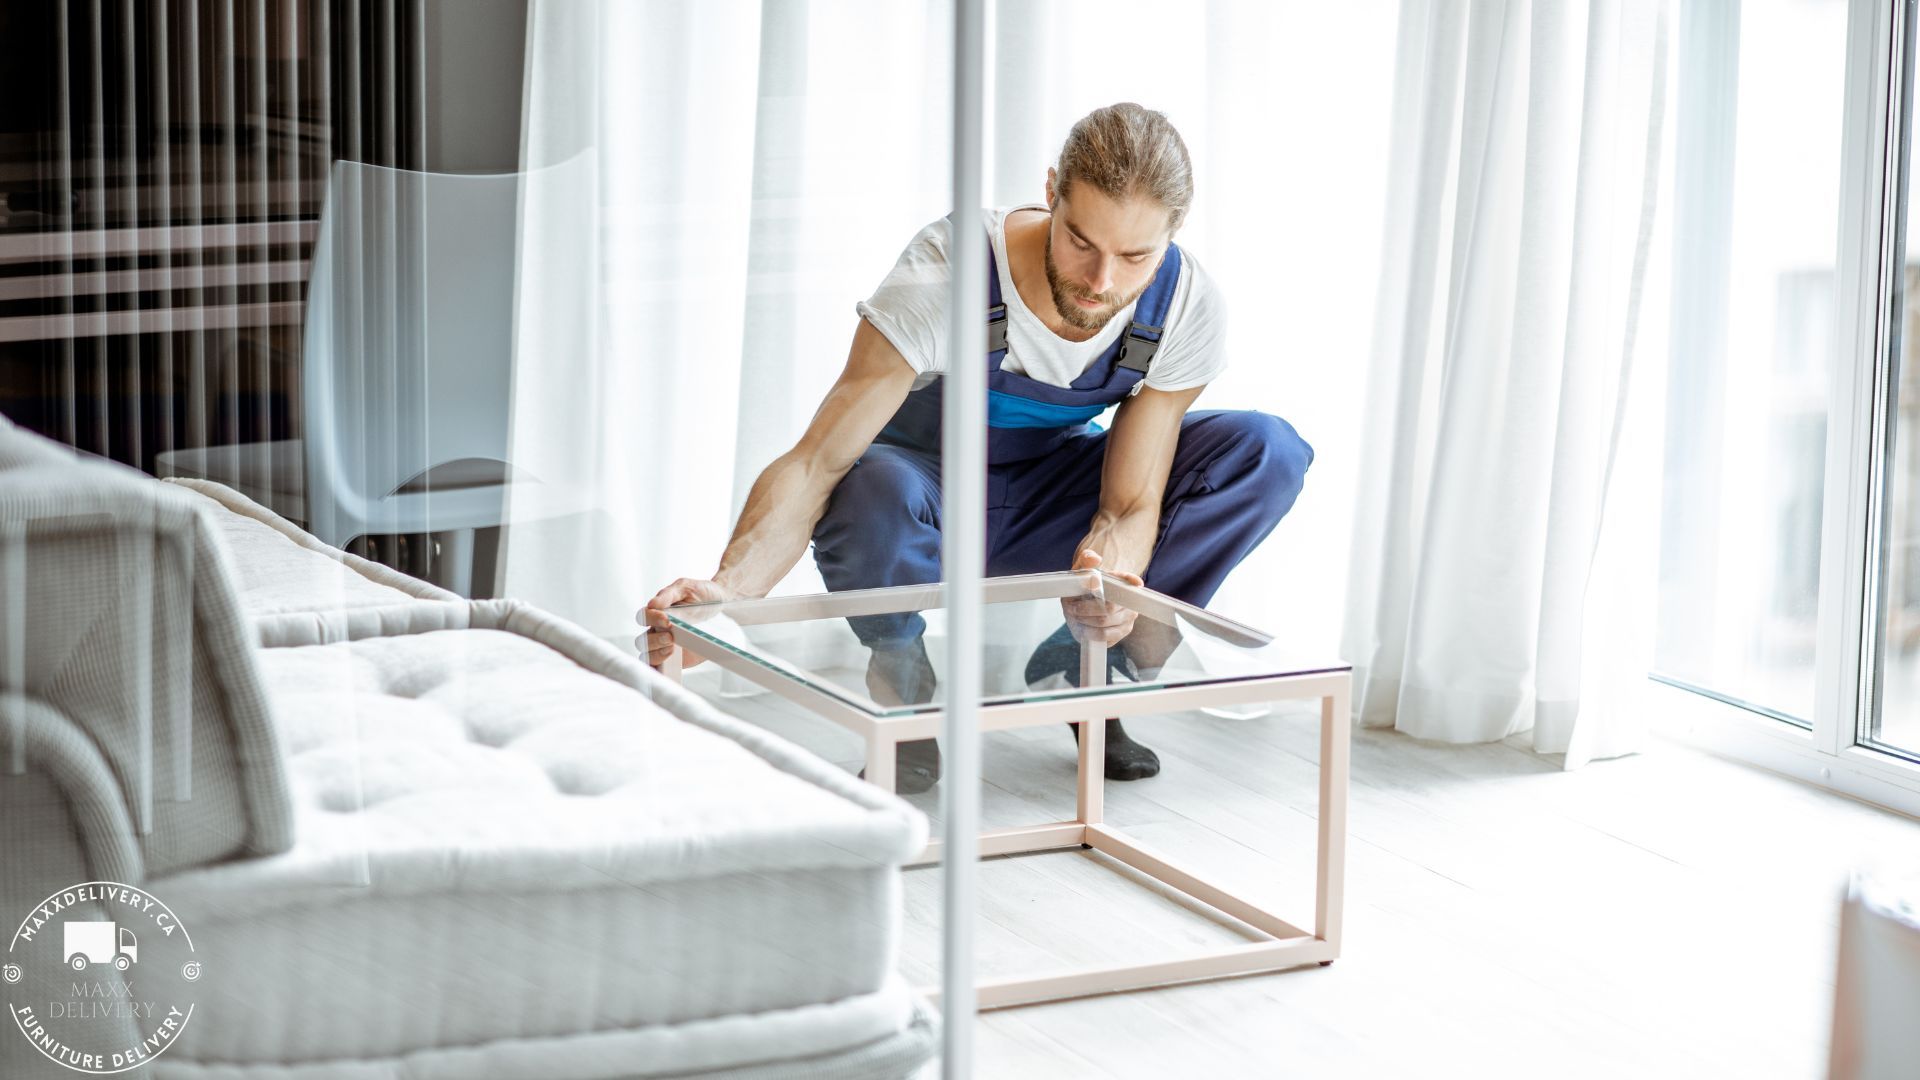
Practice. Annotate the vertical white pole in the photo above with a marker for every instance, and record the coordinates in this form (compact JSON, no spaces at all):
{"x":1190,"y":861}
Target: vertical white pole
{"x":963,"y":467}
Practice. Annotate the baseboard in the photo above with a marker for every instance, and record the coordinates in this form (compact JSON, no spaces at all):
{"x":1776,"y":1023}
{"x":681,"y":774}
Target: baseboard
{"x":1731,"y":732}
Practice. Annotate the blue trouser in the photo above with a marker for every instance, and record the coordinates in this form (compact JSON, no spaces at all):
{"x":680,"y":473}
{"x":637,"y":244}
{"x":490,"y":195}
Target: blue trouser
{"x":1234,"y":476}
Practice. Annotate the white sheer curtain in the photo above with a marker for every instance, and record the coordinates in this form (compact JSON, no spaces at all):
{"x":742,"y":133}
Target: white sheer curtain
{"x":1502,"y":577}
{"x":761,"y":166}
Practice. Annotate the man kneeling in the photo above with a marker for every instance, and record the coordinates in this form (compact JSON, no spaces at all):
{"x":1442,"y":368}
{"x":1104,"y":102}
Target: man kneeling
{"x":1090,"y":304}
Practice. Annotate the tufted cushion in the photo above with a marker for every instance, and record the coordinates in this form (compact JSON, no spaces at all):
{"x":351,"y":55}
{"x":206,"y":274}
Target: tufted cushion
{"x":478,"y":784}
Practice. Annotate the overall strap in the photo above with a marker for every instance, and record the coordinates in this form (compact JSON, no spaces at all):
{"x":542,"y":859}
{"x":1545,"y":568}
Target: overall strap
{"x":996,"y":310}
{"x":1136,"y":346}
{"x":1142,"y":339}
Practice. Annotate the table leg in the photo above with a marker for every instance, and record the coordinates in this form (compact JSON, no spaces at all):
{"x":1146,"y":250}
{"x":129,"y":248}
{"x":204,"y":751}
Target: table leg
{"x":1335,"y":743}
{"x":1092,"y":777}
{"x":880,"y":758}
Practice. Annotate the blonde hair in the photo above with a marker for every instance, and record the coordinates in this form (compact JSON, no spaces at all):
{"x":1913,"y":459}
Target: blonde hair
{"x":1127,"y":150}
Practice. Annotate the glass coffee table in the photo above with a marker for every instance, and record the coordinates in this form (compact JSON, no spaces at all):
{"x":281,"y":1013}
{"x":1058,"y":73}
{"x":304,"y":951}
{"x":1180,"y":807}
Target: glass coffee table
{"x":1176,"y":658}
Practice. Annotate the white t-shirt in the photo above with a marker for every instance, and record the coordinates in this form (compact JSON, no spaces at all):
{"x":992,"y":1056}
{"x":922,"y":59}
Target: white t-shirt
{"x":910,"y":309}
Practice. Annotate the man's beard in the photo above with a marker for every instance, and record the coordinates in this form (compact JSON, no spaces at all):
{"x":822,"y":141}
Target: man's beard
{"x":1064,"y":294}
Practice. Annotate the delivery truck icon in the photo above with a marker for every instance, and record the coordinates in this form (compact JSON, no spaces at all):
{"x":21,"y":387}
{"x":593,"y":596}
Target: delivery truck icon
{"x":93,"y":942}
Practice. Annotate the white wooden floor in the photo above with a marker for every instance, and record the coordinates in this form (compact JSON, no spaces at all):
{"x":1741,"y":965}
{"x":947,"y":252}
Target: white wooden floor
{"x":1667,"y":914}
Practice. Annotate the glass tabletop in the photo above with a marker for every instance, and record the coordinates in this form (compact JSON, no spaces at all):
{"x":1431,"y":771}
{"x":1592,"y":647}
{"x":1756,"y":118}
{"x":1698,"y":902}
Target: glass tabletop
{"x":882,"y":650}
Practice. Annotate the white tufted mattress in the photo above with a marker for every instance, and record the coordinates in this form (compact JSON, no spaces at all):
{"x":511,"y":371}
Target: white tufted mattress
{"x":519,"y":853}
{"x":473,"y":808}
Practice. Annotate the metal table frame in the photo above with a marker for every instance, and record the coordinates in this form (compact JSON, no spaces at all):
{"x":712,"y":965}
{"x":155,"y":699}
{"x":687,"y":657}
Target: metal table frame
{"x":1287,"y":945}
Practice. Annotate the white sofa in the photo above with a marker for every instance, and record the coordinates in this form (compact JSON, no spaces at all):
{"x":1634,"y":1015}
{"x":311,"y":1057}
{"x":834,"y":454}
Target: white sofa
{"x":413,"y":835}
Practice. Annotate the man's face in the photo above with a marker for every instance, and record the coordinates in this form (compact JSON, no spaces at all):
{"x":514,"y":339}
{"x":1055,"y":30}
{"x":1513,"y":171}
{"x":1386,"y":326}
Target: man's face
{"x":1101,"y":253}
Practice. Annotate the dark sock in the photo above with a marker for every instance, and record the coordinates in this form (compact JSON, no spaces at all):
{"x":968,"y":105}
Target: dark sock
{"x":916,"y":766}
{"x":1126,"y":759}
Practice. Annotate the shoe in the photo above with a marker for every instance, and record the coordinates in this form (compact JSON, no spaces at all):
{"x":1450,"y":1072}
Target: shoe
{"x":1126,"y":759}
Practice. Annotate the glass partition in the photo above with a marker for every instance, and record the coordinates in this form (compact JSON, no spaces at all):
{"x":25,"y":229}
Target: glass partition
{"x":461,"y":331}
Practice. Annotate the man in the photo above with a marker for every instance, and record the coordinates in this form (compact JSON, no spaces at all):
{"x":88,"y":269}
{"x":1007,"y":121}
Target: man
{"x":1090,"y":304}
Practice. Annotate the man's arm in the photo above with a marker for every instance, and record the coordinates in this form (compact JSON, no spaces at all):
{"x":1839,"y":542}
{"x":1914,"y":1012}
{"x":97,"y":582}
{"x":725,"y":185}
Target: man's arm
{"x":1146,"y":431}
{"x":791,"y":494}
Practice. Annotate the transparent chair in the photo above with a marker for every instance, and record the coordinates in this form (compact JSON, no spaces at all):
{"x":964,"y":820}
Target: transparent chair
{"x":408,"y":366}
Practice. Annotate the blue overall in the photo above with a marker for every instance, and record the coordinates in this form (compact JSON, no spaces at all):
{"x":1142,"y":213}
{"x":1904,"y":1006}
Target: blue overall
{"x":1234,"y":475}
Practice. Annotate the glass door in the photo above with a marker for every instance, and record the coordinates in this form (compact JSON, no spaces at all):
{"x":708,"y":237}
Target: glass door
{"x":1789,"y":617}
{"x":1756,"y":205}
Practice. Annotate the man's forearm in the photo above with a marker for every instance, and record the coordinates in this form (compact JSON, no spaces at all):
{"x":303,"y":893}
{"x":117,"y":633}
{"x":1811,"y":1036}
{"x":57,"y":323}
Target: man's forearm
{"x":775,"y":526}
{"x":1123,"y":538}
{"x":1133,"y":478}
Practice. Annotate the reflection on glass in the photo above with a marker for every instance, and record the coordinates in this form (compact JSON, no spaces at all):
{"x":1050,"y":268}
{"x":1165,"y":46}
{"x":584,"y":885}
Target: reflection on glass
{"x":1757,"y":178}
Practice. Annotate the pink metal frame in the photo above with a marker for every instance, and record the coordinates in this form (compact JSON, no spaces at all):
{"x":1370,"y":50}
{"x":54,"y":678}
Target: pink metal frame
{"x":1286,"y":944}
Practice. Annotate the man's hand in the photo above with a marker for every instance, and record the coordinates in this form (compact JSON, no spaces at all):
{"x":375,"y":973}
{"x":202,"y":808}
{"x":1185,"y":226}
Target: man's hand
{"x":1091,"y":618}
{"x":657,"y":642}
